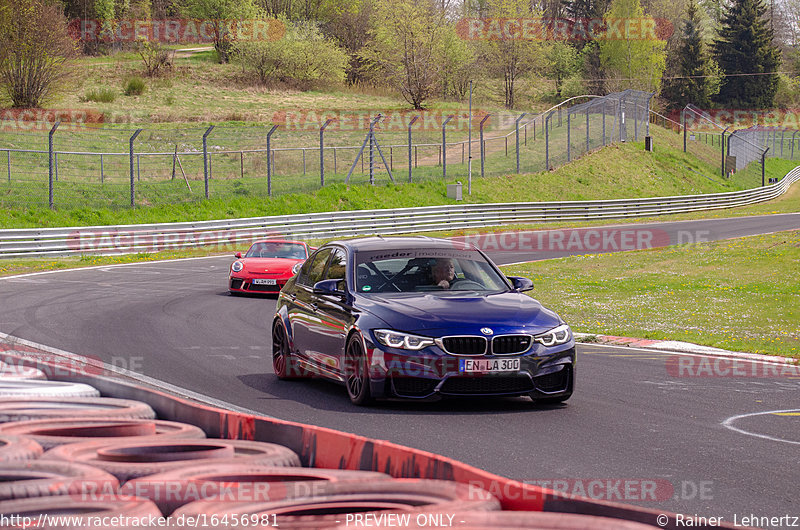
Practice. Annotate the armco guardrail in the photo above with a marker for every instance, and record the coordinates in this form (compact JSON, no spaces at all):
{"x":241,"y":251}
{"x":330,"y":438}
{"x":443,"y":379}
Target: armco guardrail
{"x":128,"y":239}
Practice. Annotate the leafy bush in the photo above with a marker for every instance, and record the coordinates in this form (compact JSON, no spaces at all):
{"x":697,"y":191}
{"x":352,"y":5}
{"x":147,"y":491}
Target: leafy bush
{"x":35,"y":48}
{"x":134,"y":86}
{"x":155,"y":57}
{"x":100,"y":95}
{"x":303,"y":58}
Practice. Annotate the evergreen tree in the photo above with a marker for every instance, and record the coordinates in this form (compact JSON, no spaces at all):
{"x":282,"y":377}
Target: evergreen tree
{"x":744,"y":46}
{"x":695,"y":80}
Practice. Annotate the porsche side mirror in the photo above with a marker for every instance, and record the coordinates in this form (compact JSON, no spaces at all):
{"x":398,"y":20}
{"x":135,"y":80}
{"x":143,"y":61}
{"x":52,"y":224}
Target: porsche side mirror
{"x":521,"y":284}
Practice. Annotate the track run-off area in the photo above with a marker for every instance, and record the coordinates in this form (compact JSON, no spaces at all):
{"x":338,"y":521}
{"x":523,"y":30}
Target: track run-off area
{"x":647,"y":427}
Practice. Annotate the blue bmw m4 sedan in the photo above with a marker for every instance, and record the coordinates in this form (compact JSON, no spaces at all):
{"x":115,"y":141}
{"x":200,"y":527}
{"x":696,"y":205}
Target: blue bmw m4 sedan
{"x":419,"y":318}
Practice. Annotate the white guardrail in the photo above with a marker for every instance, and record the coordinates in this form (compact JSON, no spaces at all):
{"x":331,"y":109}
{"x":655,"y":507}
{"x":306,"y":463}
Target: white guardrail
{"x":130,"y":239}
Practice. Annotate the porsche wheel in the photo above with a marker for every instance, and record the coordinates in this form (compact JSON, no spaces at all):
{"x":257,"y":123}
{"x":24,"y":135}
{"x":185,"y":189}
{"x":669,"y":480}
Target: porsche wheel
{"x":356,"y":372}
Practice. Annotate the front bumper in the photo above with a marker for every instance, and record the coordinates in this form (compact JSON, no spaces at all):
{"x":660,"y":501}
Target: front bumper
{"x":431,"y":373}
{"x":246,"y":285}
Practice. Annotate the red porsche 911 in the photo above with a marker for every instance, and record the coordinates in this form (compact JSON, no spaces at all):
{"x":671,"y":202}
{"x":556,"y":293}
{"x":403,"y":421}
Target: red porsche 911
{"x":267,"y":266}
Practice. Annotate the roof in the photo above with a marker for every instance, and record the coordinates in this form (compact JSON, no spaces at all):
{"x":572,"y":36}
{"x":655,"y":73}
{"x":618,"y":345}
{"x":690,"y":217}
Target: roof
{"x":386,"y":243}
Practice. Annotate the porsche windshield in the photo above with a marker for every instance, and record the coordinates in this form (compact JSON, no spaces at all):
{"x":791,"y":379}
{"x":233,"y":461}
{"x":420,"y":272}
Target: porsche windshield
{"x":418,"y":270}
{"x":275,"y":249}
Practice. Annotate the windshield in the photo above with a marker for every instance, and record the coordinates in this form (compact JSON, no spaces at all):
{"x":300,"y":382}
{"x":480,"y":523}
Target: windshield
{"x":419,"y":270}
{"x":275,"y":249}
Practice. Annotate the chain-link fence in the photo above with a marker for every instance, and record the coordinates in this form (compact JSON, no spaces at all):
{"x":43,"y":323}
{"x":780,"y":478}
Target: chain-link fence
{"x":733,"y":155}
{"x":77,"y":166}
{"x":748,"y":149}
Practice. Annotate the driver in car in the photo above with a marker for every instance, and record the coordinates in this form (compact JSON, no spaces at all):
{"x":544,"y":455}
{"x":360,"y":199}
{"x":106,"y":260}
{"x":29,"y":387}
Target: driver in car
{"x":444,"y":272}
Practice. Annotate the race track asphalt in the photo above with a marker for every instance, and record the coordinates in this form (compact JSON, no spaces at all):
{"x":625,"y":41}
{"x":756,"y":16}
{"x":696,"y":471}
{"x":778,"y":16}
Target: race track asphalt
{"x":639,"y":425}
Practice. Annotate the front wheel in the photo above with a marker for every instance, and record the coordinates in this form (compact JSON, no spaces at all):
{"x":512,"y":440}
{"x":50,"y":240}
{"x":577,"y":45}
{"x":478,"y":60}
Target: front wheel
{"x":282,"y":359}
{"x":356,"y":372}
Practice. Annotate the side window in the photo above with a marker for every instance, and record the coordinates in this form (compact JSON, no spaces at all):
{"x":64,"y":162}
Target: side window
{"x":312,"y":269}
{"x":337,"y":266}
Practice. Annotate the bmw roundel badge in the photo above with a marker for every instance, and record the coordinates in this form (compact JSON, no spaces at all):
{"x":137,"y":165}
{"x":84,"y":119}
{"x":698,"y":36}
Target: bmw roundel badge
{"x":487,"y":331}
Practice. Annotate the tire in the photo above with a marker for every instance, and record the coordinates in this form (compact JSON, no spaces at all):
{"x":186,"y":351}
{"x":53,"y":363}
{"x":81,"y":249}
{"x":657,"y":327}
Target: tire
{"x":14,"y":448}
{"x":135,"y":510}
{"x":51,"y":433}
{"x":356,"y":372}
{"x":43,"y":478}
{"x":236,"y":482}
{"x":34,"y":388}
{"x":131,"y":459}
{"x":12,"y":372}
{"x":283,"y":362}
{"x":333,"y":500}
{"x":20,"y":409}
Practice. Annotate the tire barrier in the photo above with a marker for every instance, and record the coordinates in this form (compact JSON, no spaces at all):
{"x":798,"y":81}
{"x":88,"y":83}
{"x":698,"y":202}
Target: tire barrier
{"x":20,"y":409}
{"x":51,"y":433}
{"x":11,"y":372}
{"x":128,"y":460}
{"x":18,"y":448}
{"x":236,"y":482}
{"x":331,"y":503}
{"x":43,"y":478}
{"x":503,"y":521}
{"x":35,"y":388}
{"x":45,"y":512}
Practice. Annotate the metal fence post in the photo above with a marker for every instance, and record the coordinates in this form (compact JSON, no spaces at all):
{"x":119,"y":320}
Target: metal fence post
{"x":763,"y":157}
{"x":410,"y":124}
{"x":569,"y":139}
{"x":444,"y":145}
{"x":483,"y":146}
{"x":587,"y":127}
{"x":51,"y":160}
{"x":8,"y":163}
{"x":683,"y":119}
{"x":782,"y":134}
{"x":269,"y":160}
{"x":547,"y":142}
{"x":102,"y":175}
{"x":516,"y":135}
{"x":321,"y":151}
{"x":793,"y":134}
{"x":130,"y":160}
{"x":604,"y":123}
{"x":722,"y":145}
{"x":205,"y":156}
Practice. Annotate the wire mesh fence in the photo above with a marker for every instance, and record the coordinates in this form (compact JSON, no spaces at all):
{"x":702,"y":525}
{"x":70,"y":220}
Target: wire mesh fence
{"x":80,"y":166}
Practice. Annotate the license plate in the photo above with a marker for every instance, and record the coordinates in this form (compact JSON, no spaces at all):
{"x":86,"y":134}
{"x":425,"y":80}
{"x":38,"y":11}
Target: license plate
{"x":489,"y":365}
{"x":264,"y":281}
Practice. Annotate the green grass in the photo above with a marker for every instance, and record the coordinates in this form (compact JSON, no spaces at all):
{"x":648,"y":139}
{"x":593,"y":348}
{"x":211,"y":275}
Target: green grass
{"x":100,"y":95}
{"x":741,"y":294}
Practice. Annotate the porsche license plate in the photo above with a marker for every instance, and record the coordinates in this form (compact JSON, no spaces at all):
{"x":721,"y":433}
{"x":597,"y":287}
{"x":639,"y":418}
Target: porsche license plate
{"x":489,"y":365}
{"x":265,"y":281}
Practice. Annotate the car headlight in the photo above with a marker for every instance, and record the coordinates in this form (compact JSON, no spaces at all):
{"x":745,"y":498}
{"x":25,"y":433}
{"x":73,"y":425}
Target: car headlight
{"x":405,"y":341}
{"x":237,"y":266}
{"x":558,"y":335}
{"x":296,"y":268}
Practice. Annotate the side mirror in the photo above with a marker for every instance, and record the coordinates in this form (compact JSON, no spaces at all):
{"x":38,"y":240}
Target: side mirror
{"x":238,"y":255}
{"x":521,"y":284}
{"x":330,"y":287}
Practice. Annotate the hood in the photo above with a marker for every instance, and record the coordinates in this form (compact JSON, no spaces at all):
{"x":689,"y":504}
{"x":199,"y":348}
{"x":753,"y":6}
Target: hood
{"x":460,"y":313}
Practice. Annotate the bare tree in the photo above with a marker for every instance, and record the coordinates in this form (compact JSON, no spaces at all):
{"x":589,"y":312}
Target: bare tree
{"x":35,"y":47}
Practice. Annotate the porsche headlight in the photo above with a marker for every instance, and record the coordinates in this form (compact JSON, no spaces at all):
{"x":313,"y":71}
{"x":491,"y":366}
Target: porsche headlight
{"x":405,"y":341}
{"x":237,"y":266}
{"x":558,"y":335}
{"x":296,"y":268}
